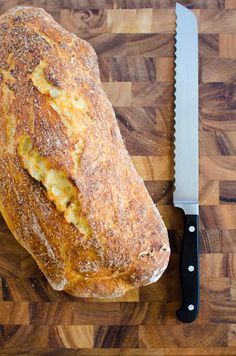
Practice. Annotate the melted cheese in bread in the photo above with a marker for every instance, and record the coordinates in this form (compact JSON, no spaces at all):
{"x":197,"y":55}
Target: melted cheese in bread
{"x":60,"y":189}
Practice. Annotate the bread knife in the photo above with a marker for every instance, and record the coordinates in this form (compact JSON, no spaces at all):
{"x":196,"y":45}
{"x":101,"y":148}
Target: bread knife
{"x":186,"y":156}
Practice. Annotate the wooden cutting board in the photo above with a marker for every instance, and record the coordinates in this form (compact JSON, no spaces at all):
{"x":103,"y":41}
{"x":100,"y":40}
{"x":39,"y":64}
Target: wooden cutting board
{"x":134,"y":41}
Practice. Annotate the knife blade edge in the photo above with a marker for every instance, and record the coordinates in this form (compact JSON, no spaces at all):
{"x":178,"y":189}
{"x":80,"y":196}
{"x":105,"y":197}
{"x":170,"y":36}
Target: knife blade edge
{"x":186,"y":86}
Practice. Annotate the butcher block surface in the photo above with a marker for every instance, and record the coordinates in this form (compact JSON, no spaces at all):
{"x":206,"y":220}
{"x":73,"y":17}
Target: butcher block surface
{"x":134,"y":41}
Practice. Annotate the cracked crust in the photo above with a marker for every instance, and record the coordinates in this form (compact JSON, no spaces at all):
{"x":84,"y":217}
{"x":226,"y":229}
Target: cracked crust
{"x":128,"y":244}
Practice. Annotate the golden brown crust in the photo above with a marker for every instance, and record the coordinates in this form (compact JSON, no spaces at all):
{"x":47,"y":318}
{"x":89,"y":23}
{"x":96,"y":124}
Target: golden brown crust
{"x":127,"y":245}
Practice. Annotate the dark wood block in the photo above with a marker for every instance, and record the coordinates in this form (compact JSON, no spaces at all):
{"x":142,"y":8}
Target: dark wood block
{"x":149,"y":94}
{"x":142,"y":313}
{"x":143,"y":143}
{"x":209,"y":45}
{"x":1,"y":336}
{"x":228,"y":241}
{"x":116,"y":336}
{"x":30,"y":336}
{"x":220,"y":143}
{"x":10,"y":265}
{"x":165,"y":290}
{"x":218,"y":70}
{"x":228,"y":192}
{"x":210,"y":241}
{"x":217,"y":106}
{"x":24,"y":289}
{"x":42,"y":351}
{"x":147,"y":45}
{"x":133,"y":69}
{"x":180,"y":351}
{"x":73,"y":313}
{"x":217,"y":217}
{"x":190,"y":4}
{"x":139,"y":4}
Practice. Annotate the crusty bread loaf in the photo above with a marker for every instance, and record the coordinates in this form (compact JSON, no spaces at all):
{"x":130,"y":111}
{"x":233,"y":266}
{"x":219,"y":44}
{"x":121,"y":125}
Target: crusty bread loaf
{"x":68,"y":189}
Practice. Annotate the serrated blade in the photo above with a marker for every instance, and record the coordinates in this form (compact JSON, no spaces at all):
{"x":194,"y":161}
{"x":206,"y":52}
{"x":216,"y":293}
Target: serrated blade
{"x":186,"y":111}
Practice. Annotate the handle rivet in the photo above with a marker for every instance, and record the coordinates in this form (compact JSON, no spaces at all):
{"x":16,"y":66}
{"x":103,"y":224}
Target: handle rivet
{"x":190,"y":307}
{"x":191,"y":228}
{"x":191,"y":268}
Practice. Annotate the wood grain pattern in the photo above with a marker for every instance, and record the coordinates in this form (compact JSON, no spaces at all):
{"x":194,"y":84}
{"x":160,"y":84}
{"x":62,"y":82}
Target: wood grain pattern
{"x":227,"y":45}
{"x":165,"y":69}
{"x":208,"y":45}
{"x":153,"y":167}
{"x":228,"y":192}
{"x":191,"y":4}
{"x":217,"y":106}
{"x":120,"y":94}
{"x":134,"y":41}
{"x":141,"y":21}
{"x":218,"y":217}
{"x":132,"y":69}
{"x":215,"y":241}
{"x":84,"y":21}
{"x":14,"y":313}
{"x":125,"y":336}
{"x":219,"y":168}
{"x":180,"y":351}
{"x":215,"y":21}
{"x":147,"y":45}
{"x":219,"y":143}
{"x":218,"y":69}
{"x":71,"y":336}
{"x":29,"y":336}
{"x":232,"y":335}
{"x":79,"y":313}
{"x":148,"y":94}
{"x":183,"y":335}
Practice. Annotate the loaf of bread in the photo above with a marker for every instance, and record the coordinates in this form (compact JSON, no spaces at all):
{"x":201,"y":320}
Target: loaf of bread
{"x":69,"y":192}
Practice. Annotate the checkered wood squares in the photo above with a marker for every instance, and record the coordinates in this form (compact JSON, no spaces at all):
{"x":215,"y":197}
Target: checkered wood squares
{"x":134,"y":41}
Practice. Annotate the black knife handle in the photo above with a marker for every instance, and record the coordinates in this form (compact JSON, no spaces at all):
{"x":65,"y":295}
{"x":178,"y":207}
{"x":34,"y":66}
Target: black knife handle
{"x":189,"y":271}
